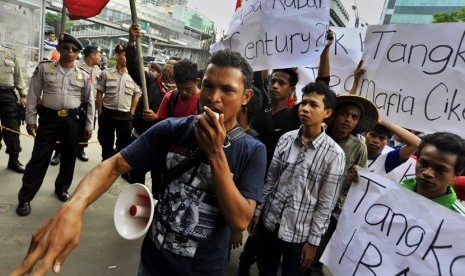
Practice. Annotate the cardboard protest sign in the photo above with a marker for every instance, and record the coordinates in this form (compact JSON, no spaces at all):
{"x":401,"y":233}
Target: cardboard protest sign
{"x":415,"y":75}
{"x":276,"y":33}
{"x":345,"y":54}
{"x":386,"y":229}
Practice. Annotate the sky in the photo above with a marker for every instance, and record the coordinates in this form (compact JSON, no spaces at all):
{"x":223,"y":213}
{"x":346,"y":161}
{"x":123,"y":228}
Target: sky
{"x":369,"y":10}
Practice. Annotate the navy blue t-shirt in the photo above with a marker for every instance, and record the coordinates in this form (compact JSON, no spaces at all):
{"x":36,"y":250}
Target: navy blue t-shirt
{"x":188,"y":235}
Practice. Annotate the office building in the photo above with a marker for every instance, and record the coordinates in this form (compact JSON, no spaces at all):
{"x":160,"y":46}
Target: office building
{"x":417,"y":11}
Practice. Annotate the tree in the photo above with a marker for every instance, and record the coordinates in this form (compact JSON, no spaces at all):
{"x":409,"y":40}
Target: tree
{"x":54,"y":19}
{"x":455,"y":16}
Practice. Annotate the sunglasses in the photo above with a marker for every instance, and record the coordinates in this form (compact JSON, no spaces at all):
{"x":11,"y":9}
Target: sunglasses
{"x":67,"y":48}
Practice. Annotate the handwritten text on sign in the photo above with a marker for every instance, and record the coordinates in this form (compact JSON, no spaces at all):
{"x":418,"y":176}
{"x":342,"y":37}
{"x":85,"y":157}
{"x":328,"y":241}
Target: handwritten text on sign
{"x":385,"y":229}
{"x":345,"y":54}
{"x":278,"y":33}
{"x":415,"y":75}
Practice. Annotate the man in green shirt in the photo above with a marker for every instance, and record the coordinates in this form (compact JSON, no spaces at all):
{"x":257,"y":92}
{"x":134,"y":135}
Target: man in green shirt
{"x":441,"y":158}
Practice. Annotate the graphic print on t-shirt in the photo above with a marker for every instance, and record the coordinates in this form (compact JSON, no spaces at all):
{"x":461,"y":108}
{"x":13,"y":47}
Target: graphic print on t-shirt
{"x":186,"y":213}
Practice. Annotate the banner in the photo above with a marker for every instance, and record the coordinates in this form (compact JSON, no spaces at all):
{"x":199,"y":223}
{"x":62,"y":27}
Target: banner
{"x":415,"y":75}
{"x":277,"y":33}
{"x":386,"y":229}
{"x":345,"y":54}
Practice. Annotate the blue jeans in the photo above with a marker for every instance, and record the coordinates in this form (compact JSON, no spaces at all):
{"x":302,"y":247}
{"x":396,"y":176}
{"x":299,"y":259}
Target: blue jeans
{"x":270,"y":250}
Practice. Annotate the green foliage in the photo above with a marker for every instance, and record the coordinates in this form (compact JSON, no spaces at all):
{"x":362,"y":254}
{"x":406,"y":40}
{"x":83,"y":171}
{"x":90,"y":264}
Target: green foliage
{"x":455,"y":16}
{"x":54,"y":19}
{"x":111,"y":63}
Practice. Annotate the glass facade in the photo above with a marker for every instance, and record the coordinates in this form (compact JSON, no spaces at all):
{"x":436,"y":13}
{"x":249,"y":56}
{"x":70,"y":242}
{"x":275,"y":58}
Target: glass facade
{"x":417,"y":11}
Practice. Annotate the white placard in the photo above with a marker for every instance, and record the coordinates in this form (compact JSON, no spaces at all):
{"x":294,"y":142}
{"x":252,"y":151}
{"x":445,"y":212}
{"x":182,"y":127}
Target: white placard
{"x":386,"y":229}
{"x":345,"y":54}
{"x":415,"y":75}
{"x":278,"y":33}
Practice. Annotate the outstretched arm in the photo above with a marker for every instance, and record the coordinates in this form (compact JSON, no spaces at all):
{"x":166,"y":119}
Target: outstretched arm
{"x":324,"y":69}
{"x":53,"y":242}
{"x":358,"y":74}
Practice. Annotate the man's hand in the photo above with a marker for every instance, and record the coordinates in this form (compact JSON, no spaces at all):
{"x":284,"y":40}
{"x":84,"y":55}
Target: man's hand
{"x":307,"y":256}
{"x":149,"y":115}
{"x":253,"y":226}
{"x":88,"y":134}
{"x":329,"y":37}
{"x":359,"y":71}
{"x":23,"y":101}
{"x":235,"y":241}
{"x":31,"y":129}
{"x":210,"y":136}
{"x":52,"y":243}
{"x":134,"y":32}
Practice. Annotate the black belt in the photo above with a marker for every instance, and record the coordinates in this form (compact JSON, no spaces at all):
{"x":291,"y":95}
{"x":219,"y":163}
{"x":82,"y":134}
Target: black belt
{"x":7,"y":88}
{"x":45,"y":111}
{"x":113,"y":112}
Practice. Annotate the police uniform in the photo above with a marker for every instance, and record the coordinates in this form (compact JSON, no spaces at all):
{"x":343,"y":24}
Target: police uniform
{"x":10,"y":77}
{"x":93,"y":72}
{"x":118,"y":91}
{"x":62,"y":92}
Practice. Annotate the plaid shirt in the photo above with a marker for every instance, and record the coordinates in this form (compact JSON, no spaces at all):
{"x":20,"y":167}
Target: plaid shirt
{"x":302,"y":187}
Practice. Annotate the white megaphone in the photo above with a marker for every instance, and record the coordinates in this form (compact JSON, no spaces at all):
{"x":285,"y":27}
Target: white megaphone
{"x":134,"y":211}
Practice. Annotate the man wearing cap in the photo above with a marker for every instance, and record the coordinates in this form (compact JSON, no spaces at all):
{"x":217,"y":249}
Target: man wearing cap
{"x":63,"y":87}
{"x":11,"y":78}
{"x":117,"y":98}
{"x":89,"y":65}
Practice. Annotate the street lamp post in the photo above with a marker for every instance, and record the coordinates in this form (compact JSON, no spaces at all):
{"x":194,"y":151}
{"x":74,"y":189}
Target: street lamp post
{"x":355,"y":8}
{"x":357,"y":17}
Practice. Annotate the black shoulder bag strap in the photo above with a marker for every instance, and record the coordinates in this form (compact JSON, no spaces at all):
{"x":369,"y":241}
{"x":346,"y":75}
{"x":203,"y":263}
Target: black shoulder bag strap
{"x":173,"y":101}
{"x":194,"y":161}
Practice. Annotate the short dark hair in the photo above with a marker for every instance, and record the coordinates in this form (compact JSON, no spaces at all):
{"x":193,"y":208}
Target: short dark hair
{"x":321,"y":88}
{"x":185,"y":71}
{"x":292,"y":72}
{"x":228,"y":58}
{"x":254,"y":106}
{"x":448,"y":142}
{"x":382,"y":130}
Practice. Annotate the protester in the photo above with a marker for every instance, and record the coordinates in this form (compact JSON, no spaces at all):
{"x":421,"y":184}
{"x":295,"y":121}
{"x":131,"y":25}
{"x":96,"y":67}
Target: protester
{"x":189,"y":234}
{"x":301,"y":189}
{"x":50,"y":44}
{"x":157,"y":87}
{"x":116,"y":103}
{"x":63,"y":88}
{"x":183,"y":100}
{"x":276,"y":119}
{"x":10,"y":78}
{"x":440,"y":160}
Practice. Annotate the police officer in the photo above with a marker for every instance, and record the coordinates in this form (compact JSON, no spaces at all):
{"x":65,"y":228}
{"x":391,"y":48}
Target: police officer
{"x":117,"y":99}
{"x":10,"y":77}
{"x":64,"y":87}
{"x":89,"y":64}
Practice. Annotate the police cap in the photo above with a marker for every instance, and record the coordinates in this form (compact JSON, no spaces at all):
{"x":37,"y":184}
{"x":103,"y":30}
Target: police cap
{"x":120,"y":49}
{"x":91,"y":50}
{"x":67,"y":38}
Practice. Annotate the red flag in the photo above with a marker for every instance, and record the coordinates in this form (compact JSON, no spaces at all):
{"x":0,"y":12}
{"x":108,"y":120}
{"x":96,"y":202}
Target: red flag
{"x":238,"y":4}
{"x":81,"y":9}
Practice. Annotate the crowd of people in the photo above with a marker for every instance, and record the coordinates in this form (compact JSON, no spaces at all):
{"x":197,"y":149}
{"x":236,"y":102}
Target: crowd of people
{"x":265,"y":163}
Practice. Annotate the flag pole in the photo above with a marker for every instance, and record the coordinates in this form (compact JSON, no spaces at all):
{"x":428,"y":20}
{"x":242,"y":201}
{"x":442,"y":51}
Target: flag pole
{"x":63,"y":19}
{"x":143,"y":82}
